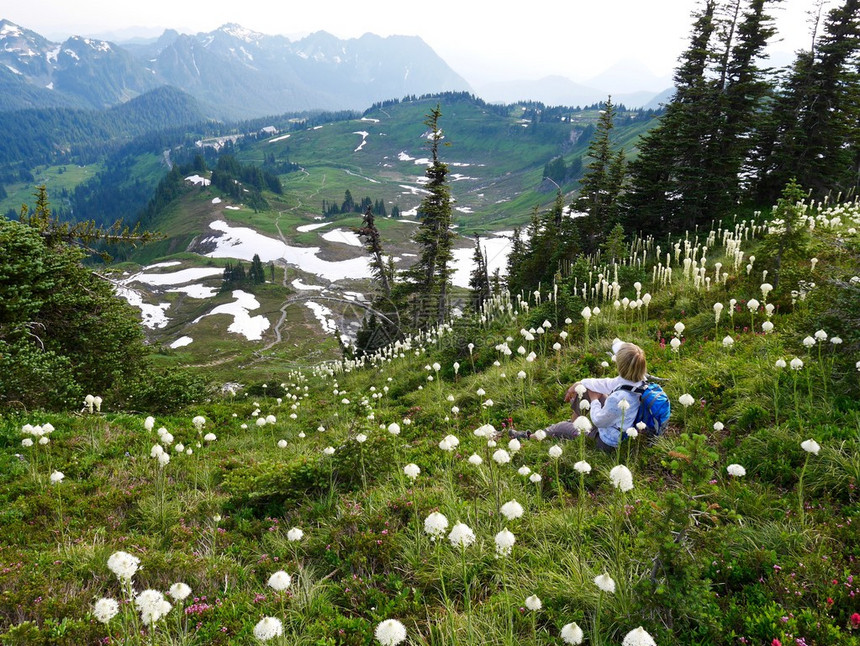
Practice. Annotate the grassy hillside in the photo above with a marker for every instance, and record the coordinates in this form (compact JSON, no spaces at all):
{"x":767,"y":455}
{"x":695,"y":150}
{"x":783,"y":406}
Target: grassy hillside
{"x":698,"y":551}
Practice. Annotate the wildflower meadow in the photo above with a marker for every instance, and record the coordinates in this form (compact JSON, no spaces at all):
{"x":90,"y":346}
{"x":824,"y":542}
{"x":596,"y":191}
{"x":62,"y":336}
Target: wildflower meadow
{"x":380,"y":499}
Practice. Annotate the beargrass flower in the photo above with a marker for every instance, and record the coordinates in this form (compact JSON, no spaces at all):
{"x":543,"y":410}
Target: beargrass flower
{"x":524,"y":471}
{"x":809,"y":342}
{"x":504,"y":542}
{"x":605,"y":582}
{"x":267,"y":628}
{"x":435,"y":525}
{"x":282,"y":444}
{"x":163,"y":459}
{"x":796,"y":363}
{"x":728,"y":341}
{"x":57,"y":477}
{"x":679,"y":328}
{"x":534,"y":603}
{"x":149,"y":423}
{"x":621,"y":478}
{"x":280,"y":581}
{"x":686,"y":400}
{"x":390,"y":632}
{"x":361,"y":438}
{"x":512,"y":510}
{"x":461,"y":535}
{"x":624,"y":405}
{"x":514,"y":445}
{"x":123,"y":565}
{"x":412,"y":471}
{"x":638,"y":637}
{"x":152,"y":606}
{"x":810,"y":446}
{"x":572,"y":634}
{"x":736,"y":470}
{"x":329,"y":450}
{"x":209,"y":437}
{"x":753,"y":305}
{"x":719,"y":426}
{"x":582,"y":467}
{"x":105,"y":609}
{"x":199,"y":421}
{"x":821,"y":335}
{"x":179,"y":591}
{"x":539,"y":435}
{"x":555,"y":451}
{"x":501,"y":456}
{"x":780,"y":363}
{"x":675,"y":343}
{"x":476,"y":459}
{"x":295,"y":534}
{"x":767,"y":327}
{"x":27,"y":442}
{"x":836,"y":340}
{"x":535,"y":478}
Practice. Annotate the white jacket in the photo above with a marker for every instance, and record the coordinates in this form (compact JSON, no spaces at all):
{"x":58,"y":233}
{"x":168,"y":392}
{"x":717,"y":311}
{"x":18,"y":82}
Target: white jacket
{"x":608,"y":417}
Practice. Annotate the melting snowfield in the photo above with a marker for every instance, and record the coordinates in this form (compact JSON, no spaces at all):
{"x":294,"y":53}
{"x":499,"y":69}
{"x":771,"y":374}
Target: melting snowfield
{"x":496,"y":248}
{"x":298,"y":284}
{"x":251,"y":327}
{"x":195,"y":291}
{"x":243,"y":243}
{"x":342,"y":236}
{"x":311,"y":227}
{"x":181,"y":342}
{"x":153,"y":316}
{"x":323,"y":315}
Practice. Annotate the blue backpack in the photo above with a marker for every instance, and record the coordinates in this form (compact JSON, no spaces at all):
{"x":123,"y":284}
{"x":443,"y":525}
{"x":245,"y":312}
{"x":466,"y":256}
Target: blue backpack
{"x":654,"y":408}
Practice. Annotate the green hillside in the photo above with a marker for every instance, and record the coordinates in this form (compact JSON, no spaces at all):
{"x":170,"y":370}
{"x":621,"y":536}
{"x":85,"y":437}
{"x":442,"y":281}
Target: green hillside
{"x":288,"y":510}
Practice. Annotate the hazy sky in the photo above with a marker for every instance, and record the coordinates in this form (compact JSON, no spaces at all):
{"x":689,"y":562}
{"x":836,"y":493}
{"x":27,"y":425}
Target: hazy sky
{"x":483,"y":41}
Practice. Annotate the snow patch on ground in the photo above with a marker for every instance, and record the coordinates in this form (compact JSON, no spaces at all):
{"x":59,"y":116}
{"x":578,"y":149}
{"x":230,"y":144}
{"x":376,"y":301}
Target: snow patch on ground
{"x":369,"y":119}
{"x":251,"y":327}
{"x":195,"y":291}
{"x":323,"y":314}
{"x":413,"y":190}
{"x":170,"y":263}
{"x":196,"y":179}
{"x":154,"y":316}
{"x":464,"y":209}
{"x":175,"y":278}
{"x":216,"y":200}
{"x":496,"y":249}
{"x":363,"y":134}
{"x":342,"y":236}
{"x":181,"y":342}
{"x":243,"y":243}
{"x":354,"y":296}
{"x":281,"y":138}
{"x":298,"y":284}
{"x":311,"y":227}
{"x":402,"y":156}
{"x":233,"y":208}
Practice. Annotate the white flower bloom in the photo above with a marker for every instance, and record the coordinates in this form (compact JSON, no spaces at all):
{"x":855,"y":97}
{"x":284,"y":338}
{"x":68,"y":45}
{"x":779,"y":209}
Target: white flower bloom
{"x":535,"y":478}
{"x":796,"y":363}
{"x":753,"y":305}
{"x":810,"y":446}
{"x":261,"y":421}
{"x":163,"y":459}
{"x":563,"y":335}
{"x":521,"y":374}
{"x":461,"y":535}
{"x":106,"y":609}
{"x":179,"y":591}
{"x":210,"y":437}
{"x":835,"y":340}
{"x":719,"y":426}
{"x":452,"y":440}
{"x":809,"y":342}
{"x":123,"y":565}
{"x":152,"y":605}
{"x":728,"y":341}
{"x":638,"y":637}
{"x":780,"y":363}
{"x":282,"y":444}
{"x":199,"y":421}
{"x":572,"y":634}
{"x":435,"y":525}
{"x":480,"y":392}
{"x":271,"y":419}
{"x":295,"y":534}
{"x":511,"y":510}
{"x":632,"y":433}
{"x":329,"y":450}
{"x":555,"y":451}
{"x":736,"y":470}
{"x":412,"y":471}
{"x":524,"y":470}
{"x":675,"y":343}
{"x":148,"y":424}
{"x":476,"y":460}
{"x":621,"y":477}
{"x":767,"y":327}
{"x":534,"y":603}
{"x":679,"y":328}
{"x":27,"y":442}
{"x":361,"y":438}
{"x":394,"y":428}
{"x":504,"y":542}
{"x":268,"y":628}
{"x":605,"y":582}
{"x":280,"y":581}
{"x":686,"y":400}
{"x":390,"y":632}
{"x":539,"y":435}
{"x":821,"y":335}
{"x":514,"y":445}
{"x":501,"y":456}
{"x":582,"y":467}
{"x":624,"y":405}
{"x":586,"y":313}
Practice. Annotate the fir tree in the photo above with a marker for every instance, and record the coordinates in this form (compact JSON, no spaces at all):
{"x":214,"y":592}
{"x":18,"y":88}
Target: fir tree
{"x":479,"y":281}
{"x":431,"y":274}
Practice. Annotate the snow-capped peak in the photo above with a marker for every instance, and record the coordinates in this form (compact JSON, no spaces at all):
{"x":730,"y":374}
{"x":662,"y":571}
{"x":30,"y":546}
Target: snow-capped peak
{"x":9,"y":29}
{"x":238,"y":31}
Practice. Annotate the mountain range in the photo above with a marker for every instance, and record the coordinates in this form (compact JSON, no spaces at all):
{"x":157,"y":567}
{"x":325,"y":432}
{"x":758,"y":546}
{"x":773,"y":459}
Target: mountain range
{"x":232,"y":72}
{"x":236,"y":73}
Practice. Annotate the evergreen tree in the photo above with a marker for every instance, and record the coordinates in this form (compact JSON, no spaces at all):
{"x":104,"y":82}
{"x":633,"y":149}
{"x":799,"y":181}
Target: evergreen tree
{"x":431,"y":274}
{"x":601,"y":186}
{"x":479,"y":281}
{"x":256,"y":274}
{"x":815,"y":133}
{"x":373,"y":243}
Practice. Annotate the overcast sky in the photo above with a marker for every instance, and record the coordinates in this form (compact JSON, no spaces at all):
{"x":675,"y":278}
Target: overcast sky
{"x":483,"y":41}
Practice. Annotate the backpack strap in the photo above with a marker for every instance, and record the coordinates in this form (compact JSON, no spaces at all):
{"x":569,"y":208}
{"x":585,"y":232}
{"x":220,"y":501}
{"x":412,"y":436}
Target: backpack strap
{"x":631,"y":389}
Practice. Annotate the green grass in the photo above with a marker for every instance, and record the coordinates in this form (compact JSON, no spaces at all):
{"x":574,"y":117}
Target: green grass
{"x":64,"y":177}
{"x":698,"y":556}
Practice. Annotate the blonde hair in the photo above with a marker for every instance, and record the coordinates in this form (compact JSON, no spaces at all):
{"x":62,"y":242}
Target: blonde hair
{"x":630,"y":360}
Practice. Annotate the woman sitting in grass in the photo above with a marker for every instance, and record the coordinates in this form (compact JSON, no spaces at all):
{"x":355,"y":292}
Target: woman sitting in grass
{"x":612,"y":402}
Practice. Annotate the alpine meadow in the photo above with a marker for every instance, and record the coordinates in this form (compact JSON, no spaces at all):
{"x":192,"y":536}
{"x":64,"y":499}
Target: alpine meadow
{"x":288,"y":330}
